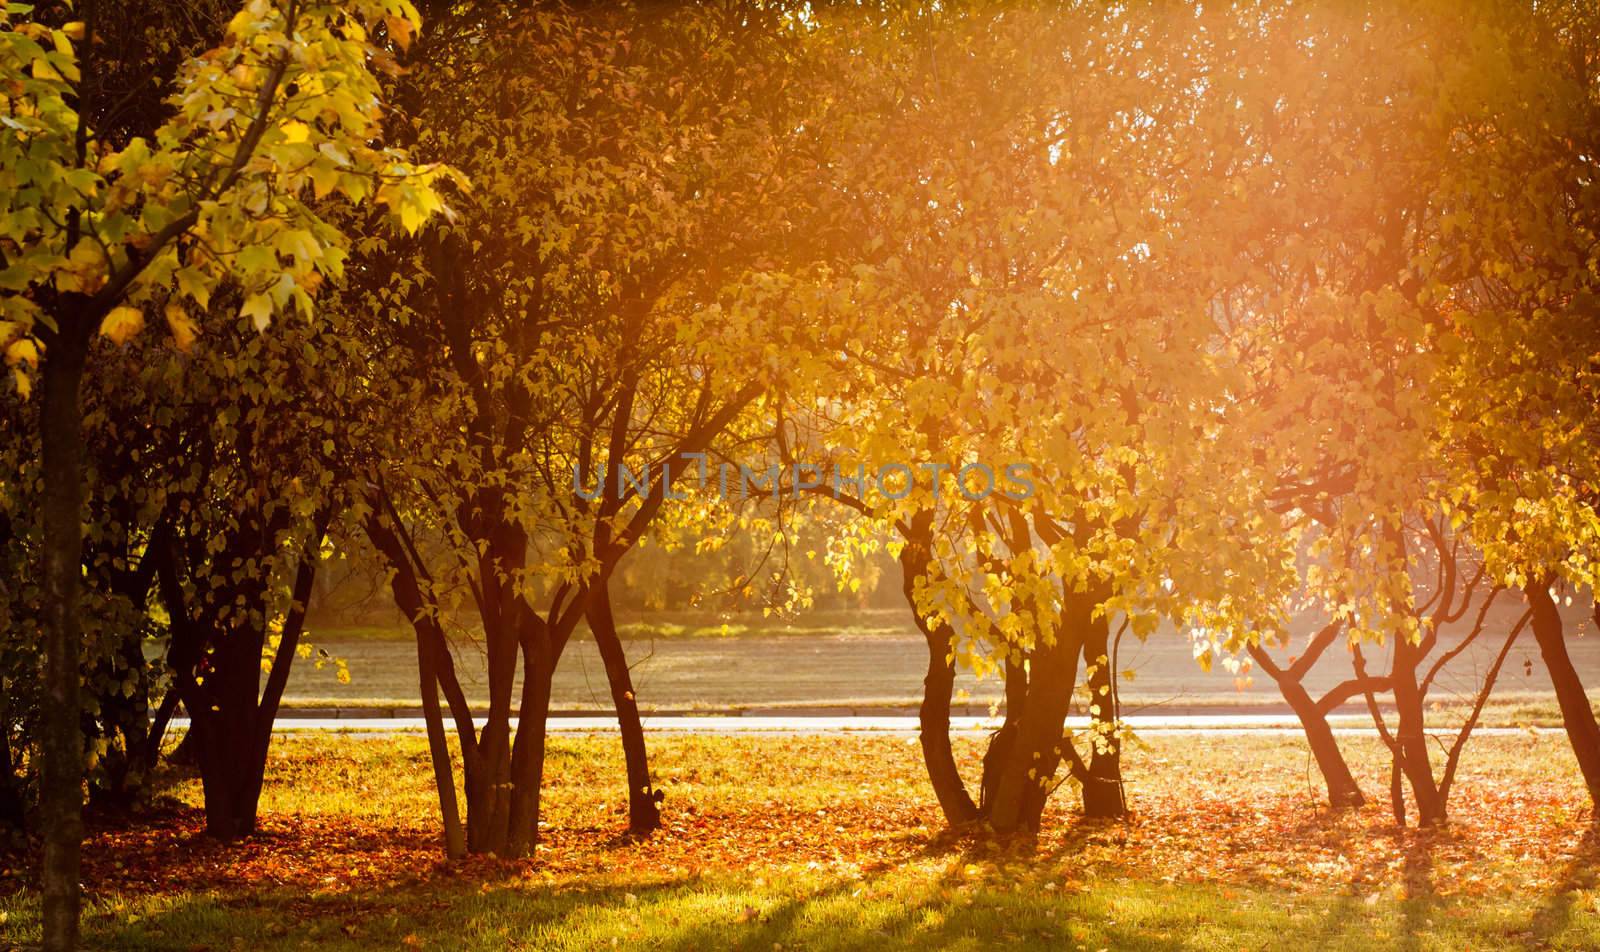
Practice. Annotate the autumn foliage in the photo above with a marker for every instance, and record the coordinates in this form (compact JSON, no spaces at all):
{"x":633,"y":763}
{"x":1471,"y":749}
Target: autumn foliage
{"x":1276,"y":318}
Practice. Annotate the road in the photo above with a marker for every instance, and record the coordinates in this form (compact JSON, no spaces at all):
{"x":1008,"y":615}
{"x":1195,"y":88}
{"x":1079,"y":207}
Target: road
{"x":1209,"y":724}
{"x":872,"y":671}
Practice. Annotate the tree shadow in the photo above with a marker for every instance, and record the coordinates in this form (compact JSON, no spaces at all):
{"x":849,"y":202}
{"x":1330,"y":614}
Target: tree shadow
{"x":1419,"y":899}
{"x":830,"y":917}
{"x":1076,"y":832}
{"x":1582,"y":872}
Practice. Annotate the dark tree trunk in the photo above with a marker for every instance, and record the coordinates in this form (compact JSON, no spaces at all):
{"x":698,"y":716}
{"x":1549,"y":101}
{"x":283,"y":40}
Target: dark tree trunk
{"x":1343,"y":791}
{"x":644,"y":801}
{"x":1025,"y":778}
{"x":60,"y":733}
{"x":937,"y":688}
{"x":495,"y":802}
{"x":158,"y":731}
{"x":230,"y":713}
{"x":222,"y":718}
{"x":487,"y":816}
{"x":1103,"y":794}
{"x":934,"y":724}
{"x":435,"y":672}
{"x":503,"y":790}
{"x":1000,"y":743}
{"x":1411,"y":741}
{"x":527,"y":760}
{"x":455,"y":838}
{"x":1576,"y":714}
{"x":1397,"y":791}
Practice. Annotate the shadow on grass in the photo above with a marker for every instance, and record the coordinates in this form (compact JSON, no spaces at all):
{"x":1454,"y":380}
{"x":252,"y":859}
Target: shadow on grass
{"x":947,"y":911}
{"x":1421,"y":900}
{"x":1555,"y":914}
{"x":920,"y":908}
{"x":1418,"y":901}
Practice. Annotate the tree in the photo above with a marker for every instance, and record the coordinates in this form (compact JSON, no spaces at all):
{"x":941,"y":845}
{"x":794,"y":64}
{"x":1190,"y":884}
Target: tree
{"x":994,"y":253}
{"x":94,"y":231}
{"x":1327,"y":328}
{"x":1029,"y":291}
{"x":1511,"y":278}
{"x":593,"y":322}
{"x":251,"y":426}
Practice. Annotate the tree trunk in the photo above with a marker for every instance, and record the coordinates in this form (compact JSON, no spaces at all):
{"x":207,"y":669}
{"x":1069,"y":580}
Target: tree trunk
{"x":218,"y":738}
{"x":938,"y":685}
{"x":488,"y":798}
{"x":937,"y":688}
{"x":1397,"y":791}
{"x":503,"y":798}
{"x":489,"y":794}
{"x":435,"y":671}
{"x":1576,"y":714}
{"x":455,"y":838}
{"x":1411,"y":741}
{"x":1343,"y":791}
{"x":223,"y":720}
{"x":248,"y":762}
{"x":934,"y":726}
{"x":60,"y":733}
{"x":527,"y":761}
{"x":1024,"y":779}
{"x":1000,"y":743}
{"x":644,"y":801}
{"x":1103,"y":794}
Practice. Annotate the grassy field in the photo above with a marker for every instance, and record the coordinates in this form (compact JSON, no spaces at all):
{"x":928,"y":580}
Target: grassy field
{"x":832,"y":842}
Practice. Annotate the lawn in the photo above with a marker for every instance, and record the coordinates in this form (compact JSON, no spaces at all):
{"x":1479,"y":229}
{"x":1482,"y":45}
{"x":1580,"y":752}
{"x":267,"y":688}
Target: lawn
{"x":833,"y":842}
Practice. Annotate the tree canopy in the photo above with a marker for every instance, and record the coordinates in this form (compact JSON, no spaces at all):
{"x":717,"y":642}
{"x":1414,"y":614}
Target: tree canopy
{"x":1100,"y":321}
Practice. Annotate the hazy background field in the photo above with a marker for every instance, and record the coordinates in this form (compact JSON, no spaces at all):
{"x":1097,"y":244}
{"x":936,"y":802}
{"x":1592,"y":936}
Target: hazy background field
{"x":873,"y":658}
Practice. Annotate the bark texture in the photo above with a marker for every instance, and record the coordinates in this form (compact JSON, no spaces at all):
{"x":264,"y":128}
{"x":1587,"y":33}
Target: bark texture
{"x":1576,"y":714}
{"x":644,"y":801}
{"x":60,"y":734}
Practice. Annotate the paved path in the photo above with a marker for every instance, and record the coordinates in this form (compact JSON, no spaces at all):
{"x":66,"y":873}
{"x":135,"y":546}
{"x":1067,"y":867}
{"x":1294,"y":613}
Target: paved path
{"x":869,"y":672}
{"x":1211,"y":724}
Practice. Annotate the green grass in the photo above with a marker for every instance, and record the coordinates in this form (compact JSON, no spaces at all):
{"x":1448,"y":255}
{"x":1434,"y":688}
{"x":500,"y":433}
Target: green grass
{"x":919,"y":909}
{"x":832,"y":842}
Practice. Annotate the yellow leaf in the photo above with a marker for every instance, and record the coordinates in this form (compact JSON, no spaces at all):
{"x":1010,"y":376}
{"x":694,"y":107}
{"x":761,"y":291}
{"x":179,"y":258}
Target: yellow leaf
{"x":122,"y":323}
{"x":24,"y":385}
{"x":192,"y":281}
{"x":258,"y":307}
{"x":23,"y":351}
{"x":182,"y":327}
{"x":296,"y":131}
